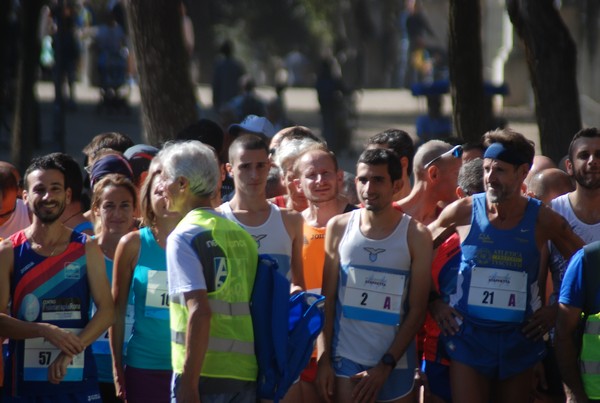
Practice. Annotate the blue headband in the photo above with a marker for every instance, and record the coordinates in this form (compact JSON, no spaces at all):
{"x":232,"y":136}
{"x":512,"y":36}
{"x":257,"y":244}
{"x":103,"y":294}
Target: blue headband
{"x":499,"y":151}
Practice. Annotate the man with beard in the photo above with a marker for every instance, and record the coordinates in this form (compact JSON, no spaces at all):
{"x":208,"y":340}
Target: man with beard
{"x":318,"y":178}
{"x":51,"y":274}
{"x":502,"y":232}
{"x":376,"y":281}
{"x":581,"y":209}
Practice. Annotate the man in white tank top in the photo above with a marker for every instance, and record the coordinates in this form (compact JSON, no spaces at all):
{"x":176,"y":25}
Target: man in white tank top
{"x":581,"y":209}
{"x":277,"y":232}
{"x":376,"y":282}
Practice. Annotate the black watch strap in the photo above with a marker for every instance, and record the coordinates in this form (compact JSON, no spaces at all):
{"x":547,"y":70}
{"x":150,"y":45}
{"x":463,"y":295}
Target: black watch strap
{"x":388,"y":359}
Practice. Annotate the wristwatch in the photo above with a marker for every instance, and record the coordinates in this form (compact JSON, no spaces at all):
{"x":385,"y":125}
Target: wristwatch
{"x":388,"y":359}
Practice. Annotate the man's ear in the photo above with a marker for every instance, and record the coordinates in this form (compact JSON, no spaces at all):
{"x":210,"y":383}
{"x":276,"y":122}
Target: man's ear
{"x":69,"y":195}
{"x":404,"y":163}
{"x":432,"y":173}
{"x":460,"y":193}
{"x":397,"y":185}
{"x":183,"y":183}
{"x":569,"y":166}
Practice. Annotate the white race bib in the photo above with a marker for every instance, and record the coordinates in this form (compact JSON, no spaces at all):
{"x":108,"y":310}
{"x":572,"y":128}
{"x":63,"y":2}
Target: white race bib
{"x":373,"y":296}
{"x":498,"y":294}
{"x":39,"y":354}
{"x":157,"y":293}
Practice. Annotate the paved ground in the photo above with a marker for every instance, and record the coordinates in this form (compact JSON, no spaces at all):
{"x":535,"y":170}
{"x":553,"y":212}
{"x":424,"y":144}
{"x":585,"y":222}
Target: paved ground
{"x":378,"y":110}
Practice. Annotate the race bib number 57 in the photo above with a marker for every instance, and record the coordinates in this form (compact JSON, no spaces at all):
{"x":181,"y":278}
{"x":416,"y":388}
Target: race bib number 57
{"x":39,"y":354}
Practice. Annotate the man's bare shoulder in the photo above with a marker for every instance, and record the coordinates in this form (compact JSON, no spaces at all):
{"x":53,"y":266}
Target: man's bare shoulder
{"x":338,"y":222}
{"x":6,"y":244}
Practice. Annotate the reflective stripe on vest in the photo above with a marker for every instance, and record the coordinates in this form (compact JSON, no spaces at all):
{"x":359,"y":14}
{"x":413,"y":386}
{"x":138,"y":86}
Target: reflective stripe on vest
{"x":590,"y":357}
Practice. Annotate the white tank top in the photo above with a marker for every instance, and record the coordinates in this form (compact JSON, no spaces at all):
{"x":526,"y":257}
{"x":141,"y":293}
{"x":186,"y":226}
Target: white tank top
{"x":18,"y":220}
{"x":588,"y":232}
{"x":271,"y":237}
{"x":372,"y":291}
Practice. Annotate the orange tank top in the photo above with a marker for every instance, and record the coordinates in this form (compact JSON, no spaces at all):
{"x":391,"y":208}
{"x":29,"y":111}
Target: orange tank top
{"x":313,"y":257}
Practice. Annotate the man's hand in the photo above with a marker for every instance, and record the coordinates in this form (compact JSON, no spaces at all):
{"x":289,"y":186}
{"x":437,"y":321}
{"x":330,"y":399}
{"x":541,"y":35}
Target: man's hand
{"x":369,"y":383}
{"x":325,"y":380}
{"x":445,"y":316}
{"x":64,"y":340}
{"x":58,"y":369}
{"x":187,"y":391}
{"x":541,"y":322}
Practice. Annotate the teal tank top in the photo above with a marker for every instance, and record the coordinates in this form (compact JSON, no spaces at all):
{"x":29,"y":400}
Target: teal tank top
{"x":150,"y":344}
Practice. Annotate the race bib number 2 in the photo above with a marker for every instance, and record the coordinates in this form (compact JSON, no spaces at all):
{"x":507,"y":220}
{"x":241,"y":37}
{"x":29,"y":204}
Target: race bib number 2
{"x":39,"y":354}
{"x":497,"y":294}
{"x":373,"y":296}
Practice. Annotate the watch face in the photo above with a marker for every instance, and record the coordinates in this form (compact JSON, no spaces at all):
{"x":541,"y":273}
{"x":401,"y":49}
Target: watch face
{"x":388,"y":359}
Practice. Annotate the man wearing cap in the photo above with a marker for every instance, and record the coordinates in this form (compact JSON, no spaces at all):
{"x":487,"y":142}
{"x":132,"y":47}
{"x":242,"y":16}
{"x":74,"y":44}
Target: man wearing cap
{"x":253,"y":124}
{"x":436,"y":165}
{"x":502,"y":232}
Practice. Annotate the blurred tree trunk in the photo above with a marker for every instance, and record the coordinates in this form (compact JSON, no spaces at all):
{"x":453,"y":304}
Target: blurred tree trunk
{"x":26,"y":108}
{"x":202,"y":14}
{"x":552,"y":60}
{"x":167,"y":94}
{"x":471,"y":109}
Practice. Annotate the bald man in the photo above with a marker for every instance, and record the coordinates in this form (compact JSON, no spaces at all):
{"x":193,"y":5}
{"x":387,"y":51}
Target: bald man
{"x":435,"y":166}
{"x":550,"y":183}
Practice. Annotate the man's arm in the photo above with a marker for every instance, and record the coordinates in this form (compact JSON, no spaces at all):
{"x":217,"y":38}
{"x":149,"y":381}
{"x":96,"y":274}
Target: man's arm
{"x":293,"y":224}
{"x":196,"y":344}
{"x":333,"y":235}
{"x":420,"y":246}
{"x":567,"y":323}
{"x":454,"y":215}
{"x":552,"y":226}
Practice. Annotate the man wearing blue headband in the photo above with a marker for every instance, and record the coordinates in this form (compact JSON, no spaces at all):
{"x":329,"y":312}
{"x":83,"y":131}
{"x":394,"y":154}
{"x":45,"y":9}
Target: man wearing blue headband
{"x":502,"y":232}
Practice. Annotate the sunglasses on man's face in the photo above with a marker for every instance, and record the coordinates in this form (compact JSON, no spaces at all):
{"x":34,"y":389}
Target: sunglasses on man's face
{"x":456,"y":152}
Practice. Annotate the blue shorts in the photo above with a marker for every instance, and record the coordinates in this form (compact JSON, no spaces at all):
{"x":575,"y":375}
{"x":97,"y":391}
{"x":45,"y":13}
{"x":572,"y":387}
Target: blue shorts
{"x":438,"y":377}
{"x":399,"y":384}
{"x":495,"y":353}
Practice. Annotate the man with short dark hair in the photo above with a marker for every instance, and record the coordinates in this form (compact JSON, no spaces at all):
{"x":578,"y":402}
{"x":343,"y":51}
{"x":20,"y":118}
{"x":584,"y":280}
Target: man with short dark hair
{"x":51,"y":274}
{"x":402,"y":144}
{"x":581,"y":209}
{"x":376,"y":280}
{"x":502,"y":232}
{"x":277,"y":232}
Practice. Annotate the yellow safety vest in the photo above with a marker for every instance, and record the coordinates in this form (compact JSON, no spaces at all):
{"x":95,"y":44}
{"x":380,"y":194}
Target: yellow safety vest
{"x":590,"y":357}
{"x":231,"y":344}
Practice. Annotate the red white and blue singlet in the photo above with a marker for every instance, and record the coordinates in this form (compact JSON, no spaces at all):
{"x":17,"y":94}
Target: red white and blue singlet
{"x":53,"y":290}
